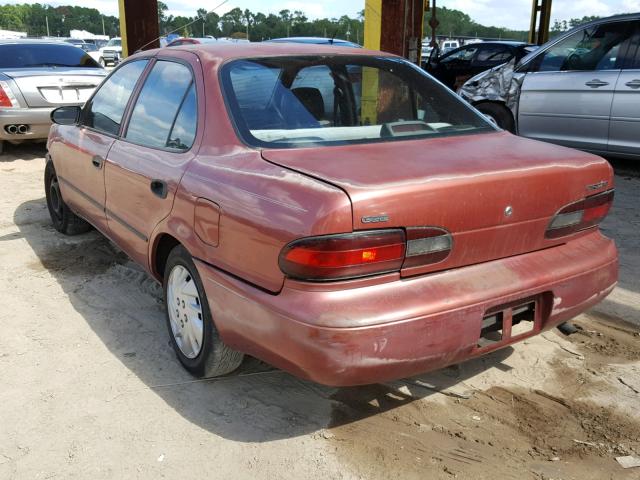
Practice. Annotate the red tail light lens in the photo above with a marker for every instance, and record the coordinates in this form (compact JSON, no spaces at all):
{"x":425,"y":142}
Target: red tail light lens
{"x":344,"y":256}
{"x":334,"y":257}
{"x":6,"y":96}
{"x":580,"y":215}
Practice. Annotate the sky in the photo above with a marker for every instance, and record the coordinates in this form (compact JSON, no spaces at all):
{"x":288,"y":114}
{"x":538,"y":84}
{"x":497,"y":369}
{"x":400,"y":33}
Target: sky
{"x":513,"y":14}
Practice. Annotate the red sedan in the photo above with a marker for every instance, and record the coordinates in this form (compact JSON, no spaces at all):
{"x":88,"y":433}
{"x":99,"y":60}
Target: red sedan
{"x":338,"y":214}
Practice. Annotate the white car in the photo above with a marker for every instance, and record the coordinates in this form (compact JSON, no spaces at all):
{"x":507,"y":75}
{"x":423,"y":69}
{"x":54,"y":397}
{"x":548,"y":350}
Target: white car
{"x":111,"y":53}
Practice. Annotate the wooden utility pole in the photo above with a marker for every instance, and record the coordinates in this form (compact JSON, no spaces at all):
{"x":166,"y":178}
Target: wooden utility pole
{"x":540,"y":18}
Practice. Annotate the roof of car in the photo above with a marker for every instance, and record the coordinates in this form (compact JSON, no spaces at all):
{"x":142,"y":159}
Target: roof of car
{"x":34,"y":41}
{"x":613,"y":18}
{"x":228,"y":51}
{"x":513,"y":43}
{"x":313,"y":40}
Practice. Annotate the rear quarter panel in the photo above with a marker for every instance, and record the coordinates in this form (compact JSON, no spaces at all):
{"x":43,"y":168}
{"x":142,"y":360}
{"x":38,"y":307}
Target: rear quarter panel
{"x":262,"y":206}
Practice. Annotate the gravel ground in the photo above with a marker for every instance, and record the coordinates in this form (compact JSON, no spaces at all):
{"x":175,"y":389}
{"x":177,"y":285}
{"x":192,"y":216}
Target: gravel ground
{"x":92,"y":388}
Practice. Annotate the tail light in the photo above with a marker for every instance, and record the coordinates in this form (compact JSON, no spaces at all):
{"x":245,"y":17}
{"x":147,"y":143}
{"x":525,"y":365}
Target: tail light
{"x":427,"y":245}
{"x":372,"y":252}
{"x":580,"y":215}
{"x":7,"y":99}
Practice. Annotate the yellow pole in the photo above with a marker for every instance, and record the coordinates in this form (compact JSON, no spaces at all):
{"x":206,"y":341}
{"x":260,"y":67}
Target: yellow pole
{"x":123,"y":29}
{"x":372,"y":33}
{"x":372,"y":24}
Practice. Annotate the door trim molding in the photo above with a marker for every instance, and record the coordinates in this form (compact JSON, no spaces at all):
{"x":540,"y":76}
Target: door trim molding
{"x":115,"y":217}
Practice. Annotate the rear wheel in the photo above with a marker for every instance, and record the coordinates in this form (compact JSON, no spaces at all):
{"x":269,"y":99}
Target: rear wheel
{"x":194,"y":336}
{"x":63,"y":219}
{"x":498,"y":115}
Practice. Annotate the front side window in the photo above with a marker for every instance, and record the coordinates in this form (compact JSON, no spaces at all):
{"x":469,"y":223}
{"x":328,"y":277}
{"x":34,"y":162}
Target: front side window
{"x":312,"y":100}
{"x":105,"y":110}
{"x":462,"y":55}
{"x":494,"y":54}
{"x":165,"y":113}
{"x":592,"y":48}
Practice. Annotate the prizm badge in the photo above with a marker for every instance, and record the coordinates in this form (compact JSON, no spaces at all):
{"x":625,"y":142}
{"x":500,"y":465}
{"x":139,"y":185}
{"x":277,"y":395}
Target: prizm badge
{"x":597,"y":186}
{"x":375,"y":219}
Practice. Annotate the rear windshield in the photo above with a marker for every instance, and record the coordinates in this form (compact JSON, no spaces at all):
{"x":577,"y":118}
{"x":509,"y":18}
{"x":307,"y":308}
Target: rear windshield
{"x":45,"y":55}
{"x":305,"y":101}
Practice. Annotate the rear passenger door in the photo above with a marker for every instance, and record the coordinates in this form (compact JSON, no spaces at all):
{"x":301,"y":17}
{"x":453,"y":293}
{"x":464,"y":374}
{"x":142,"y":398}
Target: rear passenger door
{"x":624,"y":133}
{"x":567,"y":93}
{"x":146,"y":164}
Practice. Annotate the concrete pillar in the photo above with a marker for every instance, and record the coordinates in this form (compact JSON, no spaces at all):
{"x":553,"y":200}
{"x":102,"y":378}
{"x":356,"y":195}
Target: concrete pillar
{"x":139,"y":26}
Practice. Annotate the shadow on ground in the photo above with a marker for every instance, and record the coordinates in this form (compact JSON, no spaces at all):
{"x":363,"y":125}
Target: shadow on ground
{"x":24,"y":151}
{"x":122,"y":305}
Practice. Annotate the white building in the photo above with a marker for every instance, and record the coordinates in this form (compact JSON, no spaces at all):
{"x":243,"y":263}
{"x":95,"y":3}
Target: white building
{"x":84,"y":35}
{"x":10,"y":35}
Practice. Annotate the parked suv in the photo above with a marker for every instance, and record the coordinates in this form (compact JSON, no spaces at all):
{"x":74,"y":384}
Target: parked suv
{"x":581,"y":90}
{"x":111,"y":53}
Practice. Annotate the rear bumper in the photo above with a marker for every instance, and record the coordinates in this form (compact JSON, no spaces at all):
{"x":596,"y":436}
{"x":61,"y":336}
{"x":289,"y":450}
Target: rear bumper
{"x":404,"y":327}
{"x":38,"y":120}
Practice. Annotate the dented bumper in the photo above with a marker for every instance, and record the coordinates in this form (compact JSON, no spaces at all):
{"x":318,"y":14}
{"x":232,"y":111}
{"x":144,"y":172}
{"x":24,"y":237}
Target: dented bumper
{"x":384,"y":331}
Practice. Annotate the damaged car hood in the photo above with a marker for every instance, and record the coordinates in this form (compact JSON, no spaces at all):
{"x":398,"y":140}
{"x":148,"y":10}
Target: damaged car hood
{"x":499,"y":84}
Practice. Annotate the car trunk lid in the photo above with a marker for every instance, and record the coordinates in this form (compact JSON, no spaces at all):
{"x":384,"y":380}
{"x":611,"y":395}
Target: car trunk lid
{"x":47,"y":87}
{"x":495,"y":193}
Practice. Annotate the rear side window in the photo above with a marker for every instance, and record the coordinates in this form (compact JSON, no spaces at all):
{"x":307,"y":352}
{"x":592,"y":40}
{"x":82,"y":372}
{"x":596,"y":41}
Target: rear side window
{"x":634,"y":51}
{"x":105,"y":110}
{"x":26,"y":55}
{"x":165,"y":112}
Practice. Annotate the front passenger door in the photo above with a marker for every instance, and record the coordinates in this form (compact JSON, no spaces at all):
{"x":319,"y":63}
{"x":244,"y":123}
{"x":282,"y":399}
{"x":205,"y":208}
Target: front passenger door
{"x":568,"y":90}
{"x":79,"y":160}
{"x":145,"y":166}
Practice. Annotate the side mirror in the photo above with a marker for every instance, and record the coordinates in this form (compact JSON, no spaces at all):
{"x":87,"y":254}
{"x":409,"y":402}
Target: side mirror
{"x":68,"y":115}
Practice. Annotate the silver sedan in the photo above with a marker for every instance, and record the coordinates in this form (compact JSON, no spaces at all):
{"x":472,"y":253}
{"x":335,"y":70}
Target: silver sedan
{"x":36,"y":77}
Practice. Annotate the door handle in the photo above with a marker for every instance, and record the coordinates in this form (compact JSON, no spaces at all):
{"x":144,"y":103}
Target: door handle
{"x":633,"y":84}
{"x":97,"y":161}
{"x":595,"y":83}
{"x":159,"y":188}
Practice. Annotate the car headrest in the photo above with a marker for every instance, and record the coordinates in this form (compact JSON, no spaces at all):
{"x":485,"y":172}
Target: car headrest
{"x":312,"y":100}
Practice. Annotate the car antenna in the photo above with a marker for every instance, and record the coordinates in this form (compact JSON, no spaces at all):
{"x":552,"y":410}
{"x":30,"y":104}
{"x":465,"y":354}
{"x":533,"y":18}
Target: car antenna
{"x":184,"y":26}
{"x":333,"y":37}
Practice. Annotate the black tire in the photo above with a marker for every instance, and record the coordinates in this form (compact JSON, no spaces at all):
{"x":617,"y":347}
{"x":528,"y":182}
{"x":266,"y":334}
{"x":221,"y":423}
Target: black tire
{"x":1,"y":147}
{"x":500,"y":114}
{"x":63,"y":219}
{"x":215,"y":358}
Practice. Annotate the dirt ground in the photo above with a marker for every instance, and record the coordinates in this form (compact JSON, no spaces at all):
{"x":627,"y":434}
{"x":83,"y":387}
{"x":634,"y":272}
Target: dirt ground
{"x":92,"y":389}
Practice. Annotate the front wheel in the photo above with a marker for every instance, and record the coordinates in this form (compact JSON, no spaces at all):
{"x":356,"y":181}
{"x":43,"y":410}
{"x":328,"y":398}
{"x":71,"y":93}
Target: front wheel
{"x":194,"y":336}
{"x":498,"y":115}
{"x":63,"y":219}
